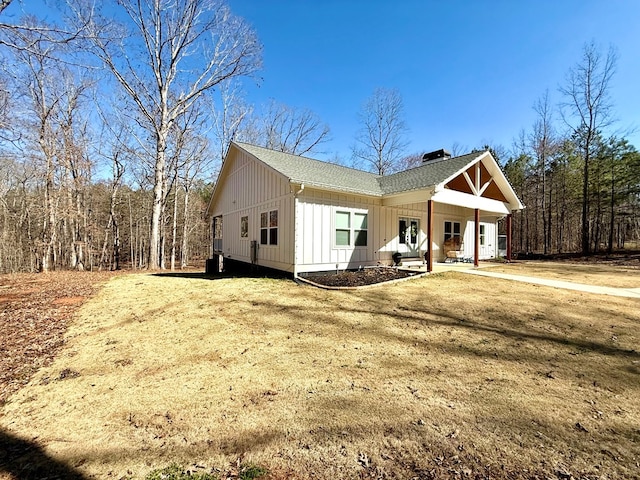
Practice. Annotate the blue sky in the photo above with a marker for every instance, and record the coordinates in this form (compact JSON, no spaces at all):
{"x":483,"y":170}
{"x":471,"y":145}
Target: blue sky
{"x":469,"y":72}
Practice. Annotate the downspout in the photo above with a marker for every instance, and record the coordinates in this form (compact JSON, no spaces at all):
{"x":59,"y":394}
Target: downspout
{"x":295,"y":230}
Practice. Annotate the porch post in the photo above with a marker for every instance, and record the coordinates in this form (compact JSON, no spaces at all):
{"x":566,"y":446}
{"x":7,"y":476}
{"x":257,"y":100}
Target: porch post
{"x":509,"y":233}
{"x":429,"y":235}
{"x":476,"y":246}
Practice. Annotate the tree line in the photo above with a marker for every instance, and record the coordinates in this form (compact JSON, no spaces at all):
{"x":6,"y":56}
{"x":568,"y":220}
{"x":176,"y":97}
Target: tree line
{"x":580,"y":184}
{"x":113,"y":123}
{"x":112,"y":128}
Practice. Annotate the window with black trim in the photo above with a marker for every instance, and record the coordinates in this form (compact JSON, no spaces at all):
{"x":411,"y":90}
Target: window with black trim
{"x":451,"y":229}
{"x":269,"y":228}
{"x":351,"y":229}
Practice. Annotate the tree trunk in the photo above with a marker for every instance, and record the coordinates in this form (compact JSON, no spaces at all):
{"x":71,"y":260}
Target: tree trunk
{"x":612,"y":205}
{"x":157,"y":210}
{"x":174,"y":229}
{"x":184,"y":258}
{"x":585,"y":204}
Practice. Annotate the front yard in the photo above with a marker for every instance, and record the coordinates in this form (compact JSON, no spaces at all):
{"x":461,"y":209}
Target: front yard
{"x":446,"y":376}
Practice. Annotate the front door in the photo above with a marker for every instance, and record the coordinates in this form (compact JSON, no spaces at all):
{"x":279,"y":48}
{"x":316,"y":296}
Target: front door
{"x":409,"y":237}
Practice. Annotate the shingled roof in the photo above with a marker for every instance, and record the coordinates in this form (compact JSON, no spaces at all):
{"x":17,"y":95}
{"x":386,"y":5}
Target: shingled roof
{"x":315,"y":172}
{"x":337,"y":177}
{"x":426,"y":175}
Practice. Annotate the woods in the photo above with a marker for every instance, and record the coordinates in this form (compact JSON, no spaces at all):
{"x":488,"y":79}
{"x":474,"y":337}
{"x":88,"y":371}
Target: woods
{"x":106,"y":152}
{"x":580,"y":184}
{"x":112,"y":128}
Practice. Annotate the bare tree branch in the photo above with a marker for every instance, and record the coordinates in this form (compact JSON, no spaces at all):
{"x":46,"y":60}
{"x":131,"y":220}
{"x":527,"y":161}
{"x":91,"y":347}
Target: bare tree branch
{"x":586,"y":110}
{"x":180,"y":49}
{"x":381,"y":140}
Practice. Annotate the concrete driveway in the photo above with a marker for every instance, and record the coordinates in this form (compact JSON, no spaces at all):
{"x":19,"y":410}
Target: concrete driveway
{"x":618,"y":292}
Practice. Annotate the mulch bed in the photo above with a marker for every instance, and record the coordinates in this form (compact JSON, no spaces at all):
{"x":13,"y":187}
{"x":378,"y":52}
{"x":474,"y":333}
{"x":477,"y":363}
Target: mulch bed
{"x":35,"y":310}
{"x":359,"y":278}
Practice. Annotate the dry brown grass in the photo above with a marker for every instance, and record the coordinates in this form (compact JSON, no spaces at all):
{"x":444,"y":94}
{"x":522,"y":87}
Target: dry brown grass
{"x":441,"y":376}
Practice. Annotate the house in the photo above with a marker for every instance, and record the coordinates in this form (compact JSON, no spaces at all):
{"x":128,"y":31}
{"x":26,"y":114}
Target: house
{"x":301,"y":215}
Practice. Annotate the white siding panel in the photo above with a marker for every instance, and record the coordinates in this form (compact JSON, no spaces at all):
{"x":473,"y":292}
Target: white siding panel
{"x":317,"y":211}
{"x":249,"y":189}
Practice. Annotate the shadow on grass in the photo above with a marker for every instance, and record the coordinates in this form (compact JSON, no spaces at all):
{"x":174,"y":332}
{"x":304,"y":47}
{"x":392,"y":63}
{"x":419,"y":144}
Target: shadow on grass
{"x":26,"y":460}
{"x":259,"y":272}
{"x":383,"y":303}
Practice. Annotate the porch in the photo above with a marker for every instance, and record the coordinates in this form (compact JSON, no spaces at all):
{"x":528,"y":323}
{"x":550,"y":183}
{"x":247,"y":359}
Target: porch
{"x":420,"y":265}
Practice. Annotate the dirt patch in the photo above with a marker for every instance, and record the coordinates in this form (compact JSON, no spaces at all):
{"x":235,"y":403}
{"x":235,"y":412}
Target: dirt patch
{"x":34,"y":313}
{"x":68,"y":301}
{"x":359,"y":278}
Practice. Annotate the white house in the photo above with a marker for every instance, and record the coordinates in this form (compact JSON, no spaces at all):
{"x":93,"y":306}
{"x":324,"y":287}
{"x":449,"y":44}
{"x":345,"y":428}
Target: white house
{"x":298,"y":215}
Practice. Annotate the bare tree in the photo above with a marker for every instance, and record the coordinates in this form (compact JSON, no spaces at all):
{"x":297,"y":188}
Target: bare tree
{"x":543,"y":145}
{"x":292,"y":130}
{"x":114,"y":147}
{"x":381,"y":140}
{"x":587,"y":109}
{"x":229,"y":116}
{"x":411,"y":161}
{"x":52,"y":133}
{"x":458,"y":149}
{"x":13,"y":35}
{"x":43,"y":97}
{"x":176,"y":52}
{"x":277,"y":126}
{"x":191,"y":158}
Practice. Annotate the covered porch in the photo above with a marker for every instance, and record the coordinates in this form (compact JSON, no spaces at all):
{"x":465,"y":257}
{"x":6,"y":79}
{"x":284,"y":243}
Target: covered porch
{"x":462,"y":214}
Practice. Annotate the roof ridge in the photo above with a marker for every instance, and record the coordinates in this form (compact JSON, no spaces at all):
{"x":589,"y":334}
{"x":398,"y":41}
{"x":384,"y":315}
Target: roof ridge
{"x":279,"y":152}
{"x":436,"y":161}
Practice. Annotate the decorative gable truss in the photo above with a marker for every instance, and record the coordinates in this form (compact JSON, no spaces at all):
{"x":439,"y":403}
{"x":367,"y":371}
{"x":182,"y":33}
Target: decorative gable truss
{"x":480,"y":185}
{"x":477,"y":180}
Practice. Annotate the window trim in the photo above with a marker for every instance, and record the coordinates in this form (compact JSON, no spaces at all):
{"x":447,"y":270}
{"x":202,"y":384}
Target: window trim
{"x":353,"y":230}
{"x":244,"y":227}
{"x":452,"y":233}
{"x":269,"y":230}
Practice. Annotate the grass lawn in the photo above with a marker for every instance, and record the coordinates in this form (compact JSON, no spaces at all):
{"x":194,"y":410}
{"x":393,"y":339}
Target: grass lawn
{"x":445,"y":376}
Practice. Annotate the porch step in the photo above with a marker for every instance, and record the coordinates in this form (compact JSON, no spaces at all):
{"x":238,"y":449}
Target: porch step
{"x":412,"y":262}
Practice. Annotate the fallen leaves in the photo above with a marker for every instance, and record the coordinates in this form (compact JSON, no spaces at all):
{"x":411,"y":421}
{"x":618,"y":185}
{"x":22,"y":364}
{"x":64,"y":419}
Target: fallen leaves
{"x":35,"y":310}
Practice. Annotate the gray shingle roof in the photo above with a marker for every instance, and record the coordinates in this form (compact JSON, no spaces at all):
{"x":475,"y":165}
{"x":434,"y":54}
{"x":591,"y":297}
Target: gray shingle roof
{"x":426,"y":175}
{"x":336,"y":177}
{"x":315,"y":172}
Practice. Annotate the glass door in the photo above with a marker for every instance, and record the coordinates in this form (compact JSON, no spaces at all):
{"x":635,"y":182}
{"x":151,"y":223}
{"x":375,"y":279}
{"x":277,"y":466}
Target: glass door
{"x":409,"y":237}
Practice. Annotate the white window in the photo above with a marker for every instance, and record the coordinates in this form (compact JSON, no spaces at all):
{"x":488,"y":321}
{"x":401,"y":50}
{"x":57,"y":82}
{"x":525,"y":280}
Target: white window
{"x":244,"y":227}
{"x":217,"y":234}
{"x":451,"y":229}
{"x":482,"y":234}
{"x":269,"y":228}
{"x":350,"y":229}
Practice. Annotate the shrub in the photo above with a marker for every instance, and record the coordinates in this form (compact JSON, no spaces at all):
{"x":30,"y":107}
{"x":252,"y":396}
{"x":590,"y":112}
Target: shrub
{"x":250,"y":472}
{"x":176,"y":472}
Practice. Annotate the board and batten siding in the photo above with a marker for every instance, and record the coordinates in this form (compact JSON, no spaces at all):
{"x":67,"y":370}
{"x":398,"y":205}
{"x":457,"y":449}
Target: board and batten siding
{"x":465,"y":216}
{"x":250,"y":188}
{"x":316,"y":247}
{"x":490,"y":248}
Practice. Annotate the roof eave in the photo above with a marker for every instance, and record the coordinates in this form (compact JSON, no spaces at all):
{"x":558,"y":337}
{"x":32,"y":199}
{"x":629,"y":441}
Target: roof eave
{"x":334,"y":188}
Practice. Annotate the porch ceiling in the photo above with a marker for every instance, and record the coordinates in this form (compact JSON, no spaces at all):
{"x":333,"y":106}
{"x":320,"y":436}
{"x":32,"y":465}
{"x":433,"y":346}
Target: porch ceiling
{"x":449,"y":197}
